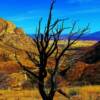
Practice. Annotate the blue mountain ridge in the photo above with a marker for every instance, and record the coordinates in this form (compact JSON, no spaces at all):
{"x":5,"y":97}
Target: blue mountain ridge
{"x":90,"y":36}
{"x":93,"y":36}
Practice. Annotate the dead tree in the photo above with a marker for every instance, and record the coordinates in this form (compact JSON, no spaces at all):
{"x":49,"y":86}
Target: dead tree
{"x":47,"y":44}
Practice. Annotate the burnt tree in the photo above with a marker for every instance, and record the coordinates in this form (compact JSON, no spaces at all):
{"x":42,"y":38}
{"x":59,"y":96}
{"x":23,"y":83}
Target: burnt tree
{"x":47,"y":44}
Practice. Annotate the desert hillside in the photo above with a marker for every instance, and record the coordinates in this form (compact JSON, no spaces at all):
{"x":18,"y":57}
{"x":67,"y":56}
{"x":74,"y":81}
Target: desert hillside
{"x":87,"y":66}
{"x":14,"y":40}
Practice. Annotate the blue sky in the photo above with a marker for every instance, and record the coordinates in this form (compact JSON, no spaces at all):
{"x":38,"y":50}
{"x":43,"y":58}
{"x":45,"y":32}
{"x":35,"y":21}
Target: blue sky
{"x":26,"y":13}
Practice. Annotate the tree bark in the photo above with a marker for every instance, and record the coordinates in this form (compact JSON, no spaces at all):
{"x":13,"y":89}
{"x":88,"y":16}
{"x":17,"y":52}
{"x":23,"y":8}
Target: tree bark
{"x":41,"y":83}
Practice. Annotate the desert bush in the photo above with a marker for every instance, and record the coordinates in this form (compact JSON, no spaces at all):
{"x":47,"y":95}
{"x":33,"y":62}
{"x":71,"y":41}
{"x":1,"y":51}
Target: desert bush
{"x":4,"y":57}
{"x":26,"y":84}
{"x":4,"y":80}
{"x":73,"y":92}
{"x":9,"y":67}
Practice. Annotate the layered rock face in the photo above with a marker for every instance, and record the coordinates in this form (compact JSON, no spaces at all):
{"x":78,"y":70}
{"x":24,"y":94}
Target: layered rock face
{"x":13,"y":39}
{"x":14,"y":36}
{"x":92,"y":59}
{"x":87,"y":68}
{"x":92,"y":54}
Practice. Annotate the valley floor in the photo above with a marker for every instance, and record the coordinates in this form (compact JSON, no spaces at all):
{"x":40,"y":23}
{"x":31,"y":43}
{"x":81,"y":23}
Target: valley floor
{"x":76,"y":93}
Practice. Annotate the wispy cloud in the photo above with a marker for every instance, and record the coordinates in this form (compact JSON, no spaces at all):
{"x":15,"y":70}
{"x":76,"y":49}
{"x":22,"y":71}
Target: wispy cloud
{"x":29,"y":15}
{"x":87,"y":11}
{"x":19,"y":18}
{"x":23,"y":16}
{"x":78,"y":1}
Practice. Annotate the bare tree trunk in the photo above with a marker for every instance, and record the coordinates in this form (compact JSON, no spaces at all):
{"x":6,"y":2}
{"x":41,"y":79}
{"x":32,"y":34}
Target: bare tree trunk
{"x":47,"y":49}
{"x":41,"y":83}
{"x":42,"y":75}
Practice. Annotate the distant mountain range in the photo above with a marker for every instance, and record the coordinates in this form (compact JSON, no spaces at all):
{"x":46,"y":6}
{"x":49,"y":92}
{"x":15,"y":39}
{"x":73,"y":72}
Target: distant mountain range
{"x":91,"y":36}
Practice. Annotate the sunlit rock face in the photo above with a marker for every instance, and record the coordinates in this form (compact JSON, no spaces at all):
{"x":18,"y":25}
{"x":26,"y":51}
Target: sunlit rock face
{"x":18,"y":31}
{"x":3,"y":25}
{"x":14,"y":36}
{"x":10,"y":27}
{"x":13,"y":39}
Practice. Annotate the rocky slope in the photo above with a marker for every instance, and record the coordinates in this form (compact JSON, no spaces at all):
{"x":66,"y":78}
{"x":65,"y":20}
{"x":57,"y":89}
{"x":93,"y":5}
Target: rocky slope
{"x":11,"y":35}
{"x":13,"y":39}
{"x":87,"y":67}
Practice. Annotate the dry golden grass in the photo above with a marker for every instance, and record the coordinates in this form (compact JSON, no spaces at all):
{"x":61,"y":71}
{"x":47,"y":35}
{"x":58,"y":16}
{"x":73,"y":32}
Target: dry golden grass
{"x":80,"y":43}
{"x":76,"y":93}
{"x":84,"y":43}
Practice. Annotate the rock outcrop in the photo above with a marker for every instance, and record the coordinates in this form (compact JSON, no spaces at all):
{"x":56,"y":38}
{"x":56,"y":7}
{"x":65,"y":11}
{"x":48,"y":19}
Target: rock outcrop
{"x":87,"y":68}
{"x":13,"y":39}
{"x":13,"y":36}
